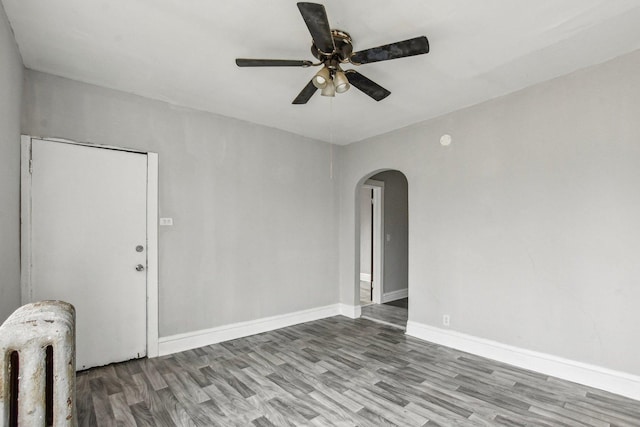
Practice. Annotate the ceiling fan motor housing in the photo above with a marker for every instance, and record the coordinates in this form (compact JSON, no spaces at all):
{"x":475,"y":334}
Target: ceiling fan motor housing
{"x":341,"y":53}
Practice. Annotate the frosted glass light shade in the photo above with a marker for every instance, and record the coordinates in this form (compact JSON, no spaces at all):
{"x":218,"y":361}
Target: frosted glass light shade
{"x":322,"y":78}
{"x":341,"y":82}
{"x":329,"y":89}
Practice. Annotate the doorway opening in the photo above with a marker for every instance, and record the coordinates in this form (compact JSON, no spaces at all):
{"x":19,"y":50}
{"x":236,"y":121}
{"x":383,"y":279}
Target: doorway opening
{"x":382,"y":224}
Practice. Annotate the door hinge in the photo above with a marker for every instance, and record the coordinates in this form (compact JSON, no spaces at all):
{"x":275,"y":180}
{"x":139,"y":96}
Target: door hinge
{"x":30,"y":165}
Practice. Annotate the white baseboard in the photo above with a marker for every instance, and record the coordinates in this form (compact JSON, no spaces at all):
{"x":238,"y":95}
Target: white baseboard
{"x":594,"y":376}
{"x":350,"y":311}
{"x":395,"y":295}
{"x":365,"y":277}
{"x":201,"y":338}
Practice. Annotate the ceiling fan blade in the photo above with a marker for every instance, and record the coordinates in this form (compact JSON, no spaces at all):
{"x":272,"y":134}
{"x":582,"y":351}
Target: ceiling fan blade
{"x":305,"y":95}
{"x":246,"y":62}
{"x":411,"y":47}
{"x":315,"y":16}
{"x":369,"y":87}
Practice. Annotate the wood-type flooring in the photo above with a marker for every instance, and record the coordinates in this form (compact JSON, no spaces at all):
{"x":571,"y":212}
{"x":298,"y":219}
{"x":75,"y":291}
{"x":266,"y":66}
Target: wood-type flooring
{"x":385,"y":313}
{"x":337,"y":372}
{"x":402,"y":303}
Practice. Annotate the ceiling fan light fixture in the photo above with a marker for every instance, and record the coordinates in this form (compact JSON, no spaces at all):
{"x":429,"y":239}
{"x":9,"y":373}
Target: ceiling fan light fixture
{"x":341,"y":82}
{"x":322,"y":78}
{"x":329,"y":89}
{"x":333,"y":47}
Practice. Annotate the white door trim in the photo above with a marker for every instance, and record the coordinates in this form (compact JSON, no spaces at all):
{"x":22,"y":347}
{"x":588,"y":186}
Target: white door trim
{"x":378,"y":238}
{"x":152,"y":231}
{"x":153,"y":332}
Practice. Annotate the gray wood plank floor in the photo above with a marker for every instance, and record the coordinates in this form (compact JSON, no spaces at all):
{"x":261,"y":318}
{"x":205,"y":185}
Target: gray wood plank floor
{"x":340,"y":372}
{"x":394,"y":316}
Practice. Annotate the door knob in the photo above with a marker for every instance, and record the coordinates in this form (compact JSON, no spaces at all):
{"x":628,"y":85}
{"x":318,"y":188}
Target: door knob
{"x":139,"y":267}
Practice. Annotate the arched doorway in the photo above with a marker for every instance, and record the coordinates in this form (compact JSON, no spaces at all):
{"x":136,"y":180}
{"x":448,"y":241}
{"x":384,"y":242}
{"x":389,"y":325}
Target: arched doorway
{"x":382,"y":221}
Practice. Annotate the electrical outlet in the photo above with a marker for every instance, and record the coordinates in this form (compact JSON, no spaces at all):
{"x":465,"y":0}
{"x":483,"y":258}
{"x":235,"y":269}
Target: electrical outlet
{"x":446,"y":320}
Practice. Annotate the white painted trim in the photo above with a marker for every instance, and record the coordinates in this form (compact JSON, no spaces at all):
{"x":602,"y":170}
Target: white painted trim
{"x":152,"y":255}
{"x":395,"y":295}
{"x":350,"y":311}
{"x":365,"y":277}
{"x":591,"y":375}
{"x":204,"y":337}
{"x":378,"y":238}
{"x":152,"y":230}
{"x":373,"y":183}
{"x":86,"y":144}
{"x":25,"y":220}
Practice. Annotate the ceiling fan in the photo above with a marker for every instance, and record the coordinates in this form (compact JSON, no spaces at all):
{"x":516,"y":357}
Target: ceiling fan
{"x":334,"y":47}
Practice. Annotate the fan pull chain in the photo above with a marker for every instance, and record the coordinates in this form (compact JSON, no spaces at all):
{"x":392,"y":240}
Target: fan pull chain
{"x":331,"y":138}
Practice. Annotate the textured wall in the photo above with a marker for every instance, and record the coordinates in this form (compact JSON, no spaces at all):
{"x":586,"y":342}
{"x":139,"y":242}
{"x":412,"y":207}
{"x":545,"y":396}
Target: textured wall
{"x":525,"y":229}
{"x":255,"y":220}
{"x":11,"y":71}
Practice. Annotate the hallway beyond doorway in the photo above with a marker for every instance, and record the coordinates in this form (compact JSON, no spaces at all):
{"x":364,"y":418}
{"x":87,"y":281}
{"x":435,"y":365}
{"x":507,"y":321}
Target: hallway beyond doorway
{"x":382,"y":201}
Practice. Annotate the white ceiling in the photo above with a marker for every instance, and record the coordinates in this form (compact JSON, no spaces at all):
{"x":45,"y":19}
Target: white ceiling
{"x":183,"y":51}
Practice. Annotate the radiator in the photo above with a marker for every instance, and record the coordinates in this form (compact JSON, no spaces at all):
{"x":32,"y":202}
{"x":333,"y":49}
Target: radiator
{"x":37,"y":375}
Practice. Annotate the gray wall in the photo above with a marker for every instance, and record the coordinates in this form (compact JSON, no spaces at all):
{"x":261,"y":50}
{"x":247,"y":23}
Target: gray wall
{"x":253,"y":207}
{"x":11,"y":70}
{"x":365,"y":230}
{"x":396,"y":257}
{"x":526,"y":229}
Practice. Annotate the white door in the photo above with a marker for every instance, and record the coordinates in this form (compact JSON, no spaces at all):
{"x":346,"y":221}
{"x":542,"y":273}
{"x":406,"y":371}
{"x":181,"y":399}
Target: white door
{"x":88,"y":235}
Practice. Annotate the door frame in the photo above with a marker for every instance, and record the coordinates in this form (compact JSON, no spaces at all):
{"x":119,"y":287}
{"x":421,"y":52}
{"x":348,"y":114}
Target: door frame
{"x":152,"y":229}
{"x":378,"y":238}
